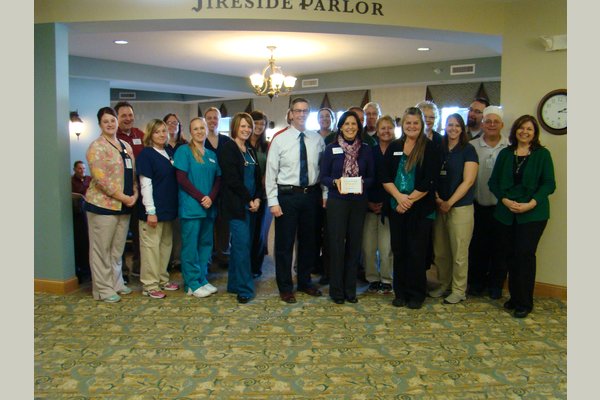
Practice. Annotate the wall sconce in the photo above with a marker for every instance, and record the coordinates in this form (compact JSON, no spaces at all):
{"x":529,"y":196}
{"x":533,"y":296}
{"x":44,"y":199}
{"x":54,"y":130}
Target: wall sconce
{"x":75,"y":124}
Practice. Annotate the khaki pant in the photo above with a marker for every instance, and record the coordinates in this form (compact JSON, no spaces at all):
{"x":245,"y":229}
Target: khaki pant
{"x":155,"y":252}
{"x":451,"y":238}
{"x":376,"y":236}
{"x":108,"y":234}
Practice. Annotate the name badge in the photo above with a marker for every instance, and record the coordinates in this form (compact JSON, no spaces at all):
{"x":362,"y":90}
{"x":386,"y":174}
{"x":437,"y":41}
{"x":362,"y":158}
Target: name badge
{"x":137,"y":141}
{"x":337,"y":150}
{"x":397,"y":153}
{"x":128,"y":163}
{"x":443,"y":172}
{"x":489,"y":163}
{"x":211,"y":160}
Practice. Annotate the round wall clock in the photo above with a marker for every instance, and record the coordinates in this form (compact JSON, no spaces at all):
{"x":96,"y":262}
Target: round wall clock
{"x":552,"y":112}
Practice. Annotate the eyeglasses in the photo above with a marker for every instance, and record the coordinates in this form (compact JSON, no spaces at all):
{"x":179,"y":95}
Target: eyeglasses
{"x":492,"y":122}
{"x":173,"y":123}
{"x":475,"y":111}
{"x":301,"y":111}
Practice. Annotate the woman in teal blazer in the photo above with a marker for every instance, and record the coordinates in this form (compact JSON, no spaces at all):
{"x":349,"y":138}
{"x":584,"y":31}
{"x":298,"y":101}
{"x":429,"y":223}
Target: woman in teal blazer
{"x":522,"y":180}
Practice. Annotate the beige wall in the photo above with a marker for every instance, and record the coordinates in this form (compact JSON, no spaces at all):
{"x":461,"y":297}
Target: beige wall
{"x":528,"y":73}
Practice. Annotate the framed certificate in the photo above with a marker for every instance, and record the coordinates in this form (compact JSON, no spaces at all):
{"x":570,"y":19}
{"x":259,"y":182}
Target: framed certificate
{"x":351,"y":184}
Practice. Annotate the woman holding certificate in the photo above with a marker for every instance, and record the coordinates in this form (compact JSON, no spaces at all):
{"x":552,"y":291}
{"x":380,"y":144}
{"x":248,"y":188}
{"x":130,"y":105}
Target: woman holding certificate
{"x":411,"y":165}
{"x":348,"y":170}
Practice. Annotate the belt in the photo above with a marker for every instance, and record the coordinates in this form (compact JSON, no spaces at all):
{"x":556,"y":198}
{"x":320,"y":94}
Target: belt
{"x":297,"y":189}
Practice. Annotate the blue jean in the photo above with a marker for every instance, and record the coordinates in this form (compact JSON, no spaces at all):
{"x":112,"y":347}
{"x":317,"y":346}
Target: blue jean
{"x":240,"y":271}
{"x":196,"y":248}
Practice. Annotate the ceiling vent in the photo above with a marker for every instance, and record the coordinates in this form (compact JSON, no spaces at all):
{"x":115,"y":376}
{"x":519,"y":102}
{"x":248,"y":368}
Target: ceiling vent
{"x":310,"y":83}
{"x":126,"y":95}
{"x":464,"y":69}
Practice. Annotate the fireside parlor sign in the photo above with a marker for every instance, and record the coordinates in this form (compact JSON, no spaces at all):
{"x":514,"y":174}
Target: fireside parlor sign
{"x":335,"y":6}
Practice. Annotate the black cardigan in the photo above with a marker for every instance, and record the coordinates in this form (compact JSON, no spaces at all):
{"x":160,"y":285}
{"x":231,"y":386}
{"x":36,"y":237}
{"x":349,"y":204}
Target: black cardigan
{"x":426,"y":175}
{"x":234,"y":196}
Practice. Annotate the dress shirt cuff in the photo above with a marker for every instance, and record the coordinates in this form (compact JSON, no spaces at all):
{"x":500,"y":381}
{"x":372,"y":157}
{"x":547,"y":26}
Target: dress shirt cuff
{"x":274,"y":201}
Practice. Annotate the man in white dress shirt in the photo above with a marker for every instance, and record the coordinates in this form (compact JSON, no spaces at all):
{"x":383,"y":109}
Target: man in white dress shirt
{"x":486,"y":272}
{"x":294,"y":197}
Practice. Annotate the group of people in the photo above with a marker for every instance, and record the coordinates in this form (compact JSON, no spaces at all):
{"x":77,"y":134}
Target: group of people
{"x":350,"y":196}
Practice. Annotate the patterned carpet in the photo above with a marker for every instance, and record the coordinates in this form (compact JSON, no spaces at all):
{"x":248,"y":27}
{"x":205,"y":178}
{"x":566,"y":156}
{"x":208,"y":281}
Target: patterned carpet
{"x":188,"y":348}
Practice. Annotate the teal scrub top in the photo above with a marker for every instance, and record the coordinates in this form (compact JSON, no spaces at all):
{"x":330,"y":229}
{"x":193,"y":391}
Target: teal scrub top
{"x":201,"y":175}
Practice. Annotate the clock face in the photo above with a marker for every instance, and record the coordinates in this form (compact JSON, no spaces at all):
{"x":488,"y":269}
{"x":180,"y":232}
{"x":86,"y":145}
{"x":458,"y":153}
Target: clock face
{"x":554,"y":111}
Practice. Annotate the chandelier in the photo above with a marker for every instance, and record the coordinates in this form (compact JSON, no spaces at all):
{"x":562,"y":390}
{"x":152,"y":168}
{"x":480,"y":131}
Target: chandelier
{"x":272,"y":82}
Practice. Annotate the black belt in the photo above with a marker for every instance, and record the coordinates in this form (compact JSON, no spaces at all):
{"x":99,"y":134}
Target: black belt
{"x":297,"y":189}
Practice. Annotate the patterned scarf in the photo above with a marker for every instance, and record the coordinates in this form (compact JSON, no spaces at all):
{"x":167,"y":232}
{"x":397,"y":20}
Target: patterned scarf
{"x":350,"y":155}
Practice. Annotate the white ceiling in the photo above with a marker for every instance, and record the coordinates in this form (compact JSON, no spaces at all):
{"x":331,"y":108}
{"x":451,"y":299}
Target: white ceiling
{"x":241,"y":53}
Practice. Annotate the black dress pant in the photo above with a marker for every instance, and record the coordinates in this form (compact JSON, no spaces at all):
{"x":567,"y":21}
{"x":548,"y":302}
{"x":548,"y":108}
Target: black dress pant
{"x":300,"y":213}
{"x":345,"y":219}
{"x":486,"y":268}
{"x":410,"y":236}
{"x":520,"y":242}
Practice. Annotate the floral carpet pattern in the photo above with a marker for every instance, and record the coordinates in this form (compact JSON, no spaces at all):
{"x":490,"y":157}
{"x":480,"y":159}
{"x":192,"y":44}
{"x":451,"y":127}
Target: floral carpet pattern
{"x":183,"y":347}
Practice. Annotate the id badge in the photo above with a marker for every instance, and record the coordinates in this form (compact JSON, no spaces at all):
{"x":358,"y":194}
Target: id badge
{"x":128,"y":163}
{"x":443,"y":172}
{"x":489,"y":163}
{"x":337,"y":150}
{"x":137,"y":141}
{"x":397,"y":153}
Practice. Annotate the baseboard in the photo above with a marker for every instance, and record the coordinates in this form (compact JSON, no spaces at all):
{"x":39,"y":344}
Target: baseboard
{"x":549,"y":290}
{"x":56,"y":287}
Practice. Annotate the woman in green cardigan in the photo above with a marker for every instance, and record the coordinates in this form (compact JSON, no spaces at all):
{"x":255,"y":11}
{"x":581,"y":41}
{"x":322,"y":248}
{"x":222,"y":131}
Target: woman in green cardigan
{"x":522,"y":180}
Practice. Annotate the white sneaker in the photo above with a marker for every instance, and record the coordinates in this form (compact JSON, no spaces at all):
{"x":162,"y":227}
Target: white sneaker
{"x":200,"y":292}
{"x":210,"y":288}
{"x":454,"y":298}
{"x":439,"y":292}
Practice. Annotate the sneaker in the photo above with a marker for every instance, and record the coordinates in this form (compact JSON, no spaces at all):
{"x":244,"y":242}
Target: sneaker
{"x":210,"y":288}
{"x":374,"y":287}
{"x":155,"y":294}
{"x":200,"y":292}
{"x":125,"y":290}
{"x":115,"y":298}
{"x":439,"y":292}
{"x":170,"y":286}
{"x":385,"y":288}
{"x":454,"y":298}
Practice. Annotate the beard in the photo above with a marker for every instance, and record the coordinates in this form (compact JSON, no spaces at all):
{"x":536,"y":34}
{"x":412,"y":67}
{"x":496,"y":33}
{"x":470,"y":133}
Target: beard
{"x":471,"y":122}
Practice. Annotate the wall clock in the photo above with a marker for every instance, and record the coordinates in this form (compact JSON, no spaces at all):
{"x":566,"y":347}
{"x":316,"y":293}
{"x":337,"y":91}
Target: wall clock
{"x":552,"y":112}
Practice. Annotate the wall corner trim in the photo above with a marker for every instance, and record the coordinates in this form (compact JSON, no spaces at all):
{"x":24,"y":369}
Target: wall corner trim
{"x":56,"y":287}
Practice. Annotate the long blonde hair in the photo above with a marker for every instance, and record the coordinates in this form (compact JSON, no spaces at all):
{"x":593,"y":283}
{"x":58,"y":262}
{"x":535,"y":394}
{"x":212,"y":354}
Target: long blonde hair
{"x":195,"y":151}
{"x":418,"y":153}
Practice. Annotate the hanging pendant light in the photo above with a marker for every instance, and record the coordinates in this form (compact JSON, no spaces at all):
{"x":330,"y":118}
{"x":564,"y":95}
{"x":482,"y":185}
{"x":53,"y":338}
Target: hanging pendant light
{"x":272,"y":82}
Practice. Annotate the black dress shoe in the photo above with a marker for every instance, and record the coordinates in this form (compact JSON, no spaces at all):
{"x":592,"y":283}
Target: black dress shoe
{"x":242,"y":299}
{"x":338,"y":301}
{"x":352,"y":300}
{"x":495,"y":293}
{"x":414,"y":304}
{"x":509,"y":305}
{"x":398,"y":302}
{"x":288,"y":297}
{"x":311,"y":291}
{"x":521,"y":312}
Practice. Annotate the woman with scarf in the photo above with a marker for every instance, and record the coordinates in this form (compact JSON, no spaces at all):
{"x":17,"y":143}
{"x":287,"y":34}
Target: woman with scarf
{"x":346,"y":157}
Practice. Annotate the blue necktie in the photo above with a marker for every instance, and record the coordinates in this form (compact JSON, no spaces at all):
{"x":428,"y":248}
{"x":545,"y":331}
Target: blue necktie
{"x":303,"y":162}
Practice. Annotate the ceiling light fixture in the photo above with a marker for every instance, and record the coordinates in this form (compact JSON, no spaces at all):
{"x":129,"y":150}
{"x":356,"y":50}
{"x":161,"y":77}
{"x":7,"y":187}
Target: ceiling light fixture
{"x":423,"y":49}
{"x":121,"y":42}
{"x":272,"y":82}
